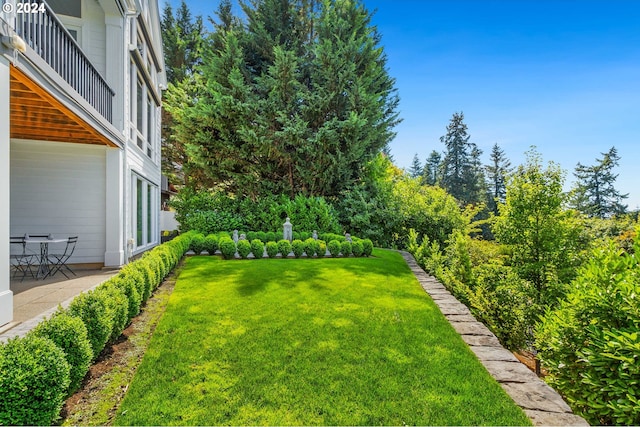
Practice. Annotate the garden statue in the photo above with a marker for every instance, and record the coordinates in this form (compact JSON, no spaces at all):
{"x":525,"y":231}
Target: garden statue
{"x":287,"y":230}
{"x":347,"y":237}
{"x":243,"y":237}
{"x":235,"y":236}
{"x":315,"y":235}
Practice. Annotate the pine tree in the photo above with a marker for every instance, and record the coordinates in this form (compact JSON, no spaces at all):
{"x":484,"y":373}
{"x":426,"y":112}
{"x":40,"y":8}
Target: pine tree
{"x":416,"y":168}
{"x":497,"y":171}
{"x":460,"y":167}
{"x":432,"y":168}
{"x":594,"y":193}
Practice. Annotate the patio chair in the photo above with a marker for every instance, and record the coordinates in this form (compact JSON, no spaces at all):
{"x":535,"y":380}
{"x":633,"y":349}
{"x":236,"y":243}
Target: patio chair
{"x":21,"y":259}
{"x":59,"y":260}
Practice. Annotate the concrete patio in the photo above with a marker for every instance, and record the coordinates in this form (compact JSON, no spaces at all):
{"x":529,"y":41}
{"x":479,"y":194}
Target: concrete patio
{"x":33,"y":300}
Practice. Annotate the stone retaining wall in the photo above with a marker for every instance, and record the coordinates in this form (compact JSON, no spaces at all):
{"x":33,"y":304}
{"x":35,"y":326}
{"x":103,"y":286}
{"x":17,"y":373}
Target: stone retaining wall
{"x":542,"y":404}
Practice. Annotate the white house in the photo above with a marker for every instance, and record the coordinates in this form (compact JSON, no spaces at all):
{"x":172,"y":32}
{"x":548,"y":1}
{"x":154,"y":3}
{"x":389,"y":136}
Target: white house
{"x":80,"y":91}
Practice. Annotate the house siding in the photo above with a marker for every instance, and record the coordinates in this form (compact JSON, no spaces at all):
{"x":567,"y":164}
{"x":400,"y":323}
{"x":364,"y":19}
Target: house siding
{"x":94,"y":30}
{"x":59,"y":188}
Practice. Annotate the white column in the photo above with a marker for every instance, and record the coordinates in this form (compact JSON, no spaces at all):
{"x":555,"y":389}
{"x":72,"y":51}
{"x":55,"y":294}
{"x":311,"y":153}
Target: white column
{"x":115,"y":247}
{"x":6,"y":296}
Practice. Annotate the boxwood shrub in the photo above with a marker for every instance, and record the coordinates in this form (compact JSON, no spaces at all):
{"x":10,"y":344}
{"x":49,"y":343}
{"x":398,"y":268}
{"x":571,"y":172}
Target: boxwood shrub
{"x":357,"y":249}
{"x":322,"y":248}
{"x":272,"y":249}
{"x":257,"y":248}
{"x":345,"y":248}
{"x":70,"y":335}
{"x":272,"y":236}
{"x":284,"y":247}
{"x":311,"y":247}
{"x":227,"y":247}
{"x":262,"y":236}
{"x":198,"y":243}
{"x":211,"y":244}
{"x":92,"y":308}
{"x":297,"y":246}
{"x":244,"y":248}
{"x":34,"y":379}
{"x":117,"y":305}
{"x":367,"y":246}
{"x":128,"y":287}
{"x":334,"y":248}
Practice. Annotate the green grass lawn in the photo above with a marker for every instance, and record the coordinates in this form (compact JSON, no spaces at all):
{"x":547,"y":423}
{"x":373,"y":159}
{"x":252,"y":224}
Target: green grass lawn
{"x":309,"y":342}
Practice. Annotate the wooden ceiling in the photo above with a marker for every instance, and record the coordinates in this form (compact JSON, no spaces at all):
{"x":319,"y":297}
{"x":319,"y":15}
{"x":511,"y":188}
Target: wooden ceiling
{"x":37,"y":115}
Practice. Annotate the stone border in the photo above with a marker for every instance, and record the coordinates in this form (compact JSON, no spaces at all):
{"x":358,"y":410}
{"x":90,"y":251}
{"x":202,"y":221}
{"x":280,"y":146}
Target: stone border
{"x":542,"y":404}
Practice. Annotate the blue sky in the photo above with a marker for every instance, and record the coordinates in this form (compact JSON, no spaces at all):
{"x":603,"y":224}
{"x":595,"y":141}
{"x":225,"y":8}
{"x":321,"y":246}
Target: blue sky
{"x":563,"y":75}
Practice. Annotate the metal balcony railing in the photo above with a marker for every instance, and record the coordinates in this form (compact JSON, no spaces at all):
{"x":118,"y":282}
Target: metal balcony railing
{"x":47,"y":36}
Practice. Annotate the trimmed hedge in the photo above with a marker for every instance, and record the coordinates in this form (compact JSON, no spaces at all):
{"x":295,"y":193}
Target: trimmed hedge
{"x":284,"y":247}
{"x":272,"y":249}
{"x":34,"y":379}
{"x":367,"y":246}
{"x":357,"y":248}
{"x":334,"y":248}
{"x":227,"y":247}
{"x":257,"y":248}
{"x":70,"y":335}
{"x":244,"y":248}
{"x":345,"y":248}
{"x":38,"y":371}
{"x":297,"y":246}
{"x":211,"y":244}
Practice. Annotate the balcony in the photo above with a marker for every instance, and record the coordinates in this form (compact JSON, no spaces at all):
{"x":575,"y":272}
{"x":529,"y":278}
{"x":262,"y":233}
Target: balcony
{"x":48,"y":38}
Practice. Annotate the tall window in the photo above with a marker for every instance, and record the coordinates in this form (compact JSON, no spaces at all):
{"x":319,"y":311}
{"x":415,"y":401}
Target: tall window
{"x":145,"y":209}
{"x":143,"y":113}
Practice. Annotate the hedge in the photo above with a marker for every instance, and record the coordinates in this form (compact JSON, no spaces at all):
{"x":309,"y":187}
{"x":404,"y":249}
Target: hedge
{"x":39,"y":370}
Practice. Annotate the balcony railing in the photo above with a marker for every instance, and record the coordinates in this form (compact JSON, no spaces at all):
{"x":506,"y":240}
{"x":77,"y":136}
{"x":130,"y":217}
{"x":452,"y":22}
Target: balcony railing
{"x":48,"y":37}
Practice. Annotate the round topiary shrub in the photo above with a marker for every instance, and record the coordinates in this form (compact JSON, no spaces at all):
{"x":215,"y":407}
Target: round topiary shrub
{"x":244,"y":248}
{"x":357,"y":249}
{"x":197,"y":244}
{"x":284,"y":247}
{"x":262,"y":236}
{"x":257,"y":248}
{"x":227,"y":247}
{"x":322,"y":248}
{"x":91,"y":307}
{"x":311,"y":247}
{"x":367,"y":246}
{"x":211,"y":244}
{"x":345,"y":248}
{"x":70,"y":335}
{"x":251,"y":236}
{"x":272,"y":249}
{"x":117,"y":304}
{"x":126,"y":284}
{"x":297,"y":246}
{"x":272,"y":237}
{"x":34,"y":379}
{"x":334,"y":248}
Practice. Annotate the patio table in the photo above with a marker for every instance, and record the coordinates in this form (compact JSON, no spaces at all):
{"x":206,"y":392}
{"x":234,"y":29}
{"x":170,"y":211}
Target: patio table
{"x":43,"y":268}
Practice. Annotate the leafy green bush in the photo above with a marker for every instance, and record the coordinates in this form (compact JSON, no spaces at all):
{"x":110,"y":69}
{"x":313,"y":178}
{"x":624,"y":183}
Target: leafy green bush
{"x":128,"y":287}
{"x":297,"y":246}
{"x":34,"y":379}
{"x":198,"y":244}
{"x":262,"y":236}
{"x":92,"y":308}
{"x":328,"y":237}
{"x":334,"y":248}
{"x":345,"y":248}
{"x":154,"y":262}
{"x":272,"y":236}
{"x":284,"y":247}
{"x":257,"y":248}
{"x":272,"y":249}
{"x":227,"y":247}
{"x":357,"y":248}
{"x":148,"y":277}
{"x":117,"y":305}
{"x":311,"y":247}
{"x":590,"y":344}
{"x":244,"y":248}
{"x":367,"y":247}
{"x":211,"y":244}
{"x":322,"y":248}
{"x":70,"y":335}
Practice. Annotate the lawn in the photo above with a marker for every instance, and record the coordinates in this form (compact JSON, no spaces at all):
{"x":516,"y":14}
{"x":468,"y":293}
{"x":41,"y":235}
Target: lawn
{"x":309,"y":342}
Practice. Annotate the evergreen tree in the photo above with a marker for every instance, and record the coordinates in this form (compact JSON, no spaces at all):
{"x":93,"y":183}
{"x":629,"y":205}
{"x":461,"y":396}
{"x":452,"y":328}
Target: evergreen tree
{"x":497,"y":171}
{"x":431,"y":170}
{"x":416,"y":168}
{"x":461,"y":175}
{"x":594,"y":193}
{"x":295,"y":100}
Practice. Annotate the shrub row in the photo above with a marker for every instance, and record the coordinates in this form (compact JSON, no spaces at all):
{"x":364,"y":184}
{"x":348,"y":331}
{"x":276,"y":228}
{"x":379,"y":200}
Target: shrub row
{"x":309,"y":247}
{"x":38,"y":371}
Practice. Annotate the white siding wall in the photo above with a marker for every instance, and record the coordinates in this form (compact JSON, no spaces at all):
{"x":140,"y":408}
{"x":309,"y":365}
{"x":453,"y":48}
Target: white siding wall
{"x":95,"y":36}
{"x":59,"y":188}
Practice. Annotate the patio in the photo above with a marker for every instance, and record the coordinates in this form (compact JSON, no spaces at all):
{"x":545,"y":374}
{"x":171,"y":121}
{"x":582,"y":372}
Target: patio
{"x":35,"y":299}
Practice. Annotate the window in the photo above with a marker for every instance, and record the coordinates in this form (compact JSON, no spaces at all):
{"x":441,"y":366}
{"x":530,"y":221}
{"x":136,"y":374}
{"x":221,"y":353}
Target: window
{"x":144,"y":212}
{"x":143,"y":111}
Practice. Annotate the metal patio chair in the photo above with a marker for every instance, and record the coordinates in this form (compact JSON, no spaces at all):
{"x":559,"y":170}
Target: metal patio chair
{"x":59,"y":260}
{"x":21,"y":258}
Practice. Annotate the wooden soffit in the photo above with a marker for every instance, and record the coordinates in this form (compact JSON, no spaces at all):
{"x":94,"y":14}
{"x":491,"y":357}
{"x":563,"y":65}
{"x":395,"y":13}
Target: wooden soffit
{"x":36,"y":114}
